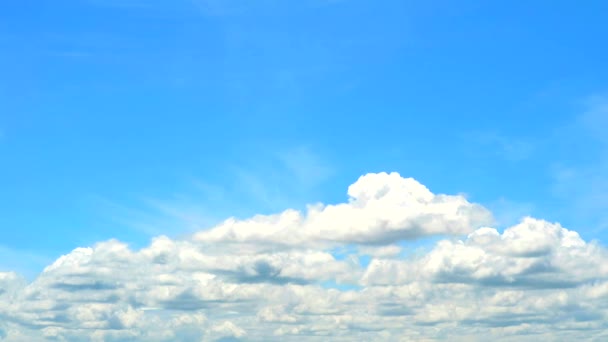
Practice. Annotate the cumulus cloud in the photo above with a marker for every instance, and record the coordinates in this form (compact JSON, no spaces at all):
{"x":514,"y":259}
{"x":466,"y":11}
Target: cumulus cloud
{"x":531,"y":254}
{"x":382,"y":208}
{"x":278,"y":277}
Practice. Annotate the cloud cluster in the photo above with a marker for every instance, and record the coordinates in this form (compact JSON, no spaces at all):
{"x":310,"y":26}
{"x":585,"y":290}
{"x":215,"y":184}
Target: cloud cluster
{"x":278,"y":277}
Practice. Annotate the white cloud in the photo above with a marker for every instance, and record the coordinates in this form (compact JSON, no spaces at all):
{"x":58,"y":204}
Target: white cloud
{"x":382,"y":208}
{"x":275,"y":278}
{"x":532,"y":254}
{"x":10,"y":282}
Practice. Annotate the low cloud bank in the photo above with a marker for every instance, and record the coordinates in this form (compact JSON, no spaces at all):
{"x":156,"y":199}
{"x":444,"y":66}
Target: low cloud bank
{"x":275,"y":278}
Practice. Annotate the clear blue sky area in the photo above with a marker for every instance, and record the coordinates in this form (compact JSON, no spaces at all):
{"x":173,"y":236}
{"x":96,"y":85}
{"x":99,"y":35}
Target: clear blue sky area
{"x":129,"y":119}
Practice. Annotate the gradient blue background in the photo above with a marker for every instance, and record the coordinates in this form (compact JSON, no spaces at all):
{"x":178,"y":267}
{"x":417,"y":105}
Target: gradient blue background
{"x":128,"y":119}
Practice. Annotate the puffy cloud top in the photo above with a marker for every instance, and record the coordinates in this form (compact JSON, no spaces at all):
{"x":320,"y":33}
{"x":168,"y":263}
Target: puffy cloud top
{"x":382,"y":208}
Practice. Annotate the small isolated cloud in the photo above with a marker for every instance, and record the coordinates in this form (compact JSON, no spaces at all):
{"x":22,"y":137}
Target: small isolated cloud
{"x":266,"y":278}
{"x":512,"y":149}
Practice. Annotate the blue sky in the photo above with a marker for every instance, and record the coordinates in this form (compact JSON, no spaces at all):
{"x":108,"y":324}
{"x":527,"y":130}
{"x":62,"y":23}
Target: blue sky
{"x":136,"y":118}
{"x":108,"y":106}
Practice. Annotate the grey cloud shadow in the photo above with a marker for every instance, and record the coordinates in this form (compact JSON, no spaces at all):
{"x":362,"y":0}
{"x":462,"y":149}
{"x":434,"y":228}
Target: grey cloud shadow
{"x":394,"y":310}
{"x":93,"y":286}
{"x":189,"y":301}
{"x":264,"y":273}
{"x":498,"y":281}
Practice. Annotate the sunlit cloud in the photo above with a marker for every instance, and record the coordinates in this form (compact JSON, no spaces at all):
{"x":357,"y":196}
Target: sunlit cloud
{"x":268,"y":278}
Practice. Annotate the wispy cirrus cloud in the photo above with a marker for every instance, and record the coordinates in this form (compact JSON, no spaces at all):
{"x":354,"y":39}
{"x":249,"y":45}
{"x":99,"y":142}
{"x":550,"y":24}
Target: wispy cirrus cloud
{"x":582,"y":177}
{"x":508,"y":148}
{"x":267,"y":183}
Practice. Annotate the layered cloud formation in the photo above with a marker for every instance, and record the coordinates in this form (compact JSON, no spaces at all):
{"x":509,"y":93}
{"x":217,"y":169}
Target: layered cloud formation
{"x":335,"y":272}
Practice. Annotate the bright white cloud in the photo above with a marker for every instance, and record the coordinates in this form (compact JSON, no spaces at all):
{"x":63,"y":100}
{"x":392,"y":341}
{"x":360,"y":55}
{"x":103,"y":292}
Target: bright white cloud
{"x":275,"y":278}
{"x":529,"y":255}
{"x":382,"y":208}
